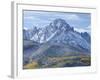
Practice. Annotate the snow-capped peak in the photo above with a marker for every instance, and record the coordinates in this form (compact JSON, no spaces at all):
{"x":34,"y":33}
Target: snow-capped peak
{"x":59,"y":31}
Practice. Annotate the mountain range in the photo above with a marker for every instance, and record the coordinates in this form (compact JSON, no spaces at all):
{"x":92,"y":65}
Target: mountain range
{"x":55,"y":39}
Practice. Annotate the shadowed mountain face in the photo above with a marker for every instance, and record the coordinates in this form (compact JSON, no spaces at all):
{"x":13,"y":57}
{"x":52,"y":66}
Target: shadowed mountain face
{"x":58,"y":39}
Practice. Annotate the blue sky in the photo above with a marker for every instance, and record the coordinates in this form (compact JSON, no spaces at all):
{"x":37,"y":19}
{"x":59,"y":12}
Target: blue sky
{"x":80,"y":21}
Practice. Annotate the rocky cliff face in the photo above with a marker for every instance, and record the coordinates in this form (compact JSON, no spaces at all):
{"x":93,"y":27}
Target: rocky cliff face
{"x":58,"y":32}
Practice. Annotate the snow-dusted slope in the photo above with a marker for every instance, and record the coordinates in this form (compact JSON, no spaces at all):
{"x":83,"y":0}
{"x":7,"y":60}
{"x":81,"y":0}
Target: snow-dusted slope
{"x":59,"y":32}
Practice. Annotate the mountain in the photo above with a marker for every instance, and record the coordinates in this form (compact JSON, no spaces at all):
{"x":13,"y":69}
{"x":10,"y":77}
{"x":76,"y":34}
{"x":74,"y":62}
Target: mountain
{"x":59,"y":31}
{"x":56,"y":39}
{"x":86,"y":36}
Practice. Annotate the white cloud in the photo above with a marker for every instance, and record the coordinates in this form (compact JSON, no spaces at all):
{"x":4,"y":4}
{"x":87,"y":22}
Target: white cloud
{"x":73,"y":17}
{"x":28,"y":17}
{"x":86,"y":29}
{"x":80,"y":30}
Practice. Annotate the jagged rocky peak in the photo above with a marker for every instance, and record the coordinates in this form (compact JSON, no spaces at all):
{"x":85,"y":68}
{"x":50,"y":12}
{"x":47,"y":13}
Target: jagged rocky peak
{"x":86,"y":36}
{"x":58,"y":32}
{"x":60,"y":24}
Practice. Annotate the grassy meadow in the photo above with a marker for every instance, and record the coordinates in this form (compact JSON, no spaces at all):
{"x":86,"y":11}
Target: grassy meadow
{"x":56,"y":62}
